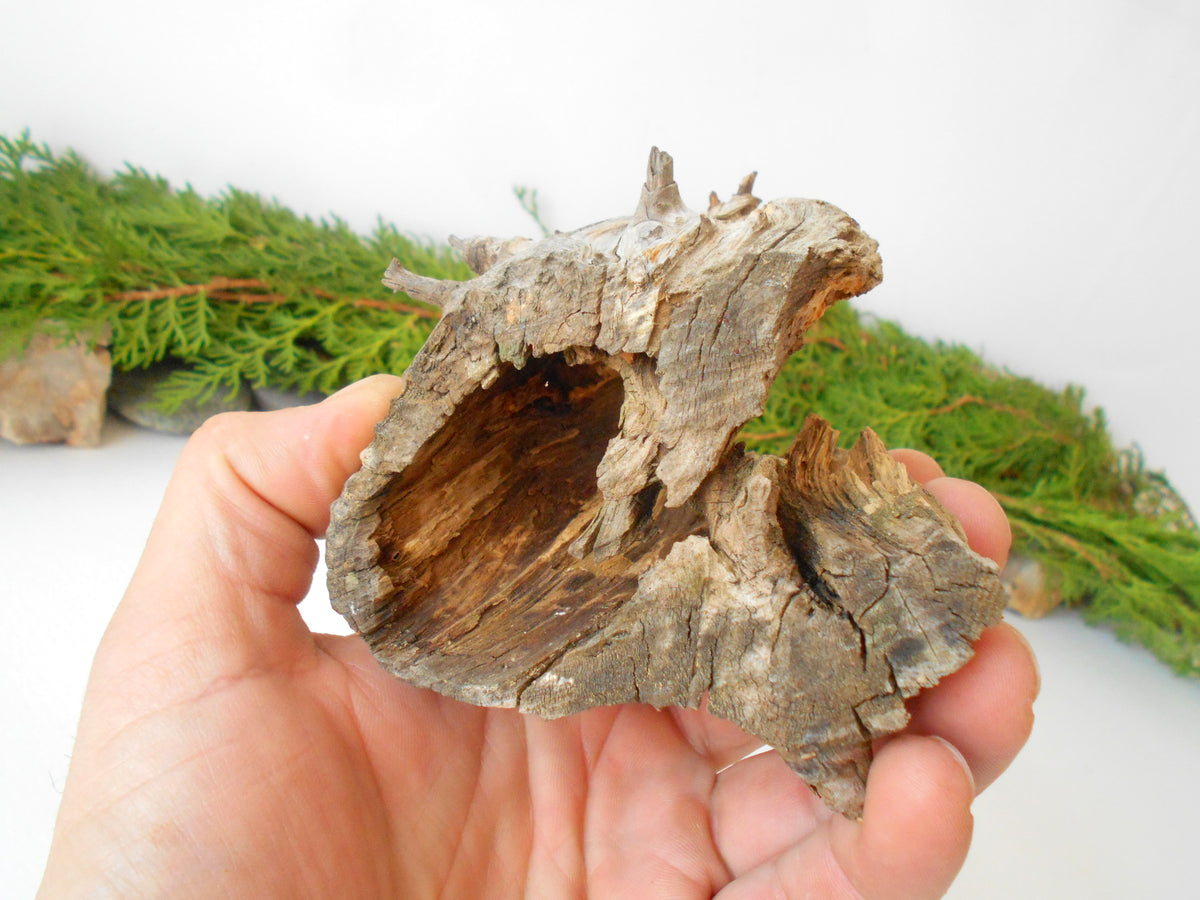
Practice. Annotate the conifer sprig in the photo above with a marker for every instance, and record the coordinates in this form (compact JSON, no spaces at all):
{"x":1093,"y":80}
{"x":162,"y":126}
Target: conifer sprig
{"x":235,"y":288}
{"x":239,"y":289}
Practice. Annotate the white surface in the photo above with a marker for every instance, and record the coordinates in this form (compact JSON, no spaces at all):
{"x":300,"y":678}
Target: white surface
{"x":1029,"y":169}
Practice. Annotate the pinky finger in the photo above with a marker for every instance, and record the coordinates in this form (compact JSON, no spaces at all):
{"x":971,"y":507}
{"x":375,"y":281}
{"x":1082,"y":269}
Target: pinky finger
{"x":981,"y":515}
{"x":910,"y":844}
{"x":916,"y":826}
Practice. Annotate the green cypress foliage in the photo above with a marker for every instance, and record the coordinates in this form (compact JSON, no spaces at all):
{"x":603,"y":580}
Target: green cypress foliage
{"x":238,"y":289}
{"x":235,"y":288}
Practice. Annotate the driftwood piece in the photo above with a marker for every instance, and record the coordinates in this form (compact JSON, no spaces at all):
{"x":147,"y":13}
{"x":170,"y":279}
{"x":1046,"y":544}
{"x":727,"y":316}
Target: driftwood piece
{"x":554,"y":515}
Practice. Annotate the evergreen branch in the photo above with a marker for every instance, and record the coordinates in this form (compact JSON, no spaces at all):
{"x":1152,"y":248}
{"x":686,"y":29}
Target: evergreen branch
{"x":1028,"y":522}
{"x":227,"y":286}
{"x":217,"y":288}
{"x":221,"y":288}
{"x":394,"y":306}
{"x":966,"y":399}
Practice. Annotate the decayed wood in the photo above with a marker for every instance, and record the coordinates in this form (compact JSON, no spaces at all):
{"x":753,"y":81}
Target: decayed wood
{"x":553,"y":516}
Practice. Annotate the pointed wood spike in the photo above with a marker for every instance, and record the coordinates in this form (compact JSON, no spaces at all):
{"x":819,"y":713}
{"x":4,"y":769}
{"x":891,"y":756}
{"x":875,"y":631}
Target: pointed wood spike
{"x":746,"y":185}
{"x":660,"y":198}
{"x":427,"y":290}
{"x":660,"y":169}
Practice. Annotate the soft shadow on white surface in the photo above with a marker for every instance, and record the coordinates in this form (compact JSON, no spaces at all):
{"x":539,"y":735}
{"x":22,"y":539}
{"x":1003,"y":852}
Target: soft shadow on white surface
{"x":71,"y":531}
{"x":1102,"y":802}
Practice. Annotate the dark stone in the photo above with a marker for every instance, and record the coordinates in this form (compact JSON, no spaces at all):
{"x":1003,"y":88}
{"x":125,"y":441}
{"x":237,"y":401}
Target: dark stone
{"x":133,"y":396}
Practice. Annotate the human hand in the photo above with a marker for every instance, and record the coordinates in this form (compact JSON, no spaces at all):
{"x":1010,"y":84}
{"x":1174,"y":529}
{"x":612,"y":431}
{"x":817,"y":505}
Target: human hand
{"x":225,"y":750}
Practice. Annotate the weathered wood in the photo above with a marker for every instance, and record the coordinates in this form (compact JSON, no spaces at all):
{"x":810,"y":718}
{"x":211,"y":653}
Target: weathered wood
{"x":553,"y":516}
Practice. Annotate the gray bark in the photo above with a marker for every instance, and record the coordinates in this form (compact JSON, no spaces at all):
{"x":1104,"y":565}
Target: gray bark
{"x":554,"y":515}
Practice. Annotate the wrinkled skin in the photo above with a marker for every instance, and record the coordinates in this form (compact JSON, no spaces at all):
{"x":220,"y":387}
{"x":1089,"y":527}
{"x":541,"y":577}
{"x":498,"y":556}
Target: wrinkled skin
{"x":225,"y":750}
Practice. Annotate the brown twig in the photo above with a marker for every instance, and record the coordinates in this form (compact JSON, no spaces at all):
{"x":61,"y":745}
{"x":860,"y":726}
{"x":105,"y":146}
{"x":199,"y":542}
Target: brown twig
{"x":966,"y":399}
{"x":237,"y":290}
{"x":385,"y":305}
{"x":217,"y":285}
{"x":1031,"y":520}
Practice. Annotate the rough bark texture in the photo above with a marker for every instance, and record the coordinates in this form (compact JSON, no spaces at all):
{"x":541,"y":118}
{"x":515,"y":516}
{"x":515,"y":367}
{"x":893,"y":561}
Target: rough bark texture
{"x":553,"y":516}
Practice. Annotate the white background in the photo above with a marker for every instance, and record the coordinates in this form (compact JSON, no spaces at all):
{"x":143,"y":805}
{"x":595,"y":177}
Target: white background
{"x":1029,"y":169}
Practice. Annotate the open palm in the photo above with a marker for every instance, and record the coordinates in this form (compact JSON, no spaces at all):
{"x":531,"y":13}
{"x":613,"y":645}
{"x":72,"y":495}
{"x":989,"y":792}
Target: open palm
{"x":225,"y":750}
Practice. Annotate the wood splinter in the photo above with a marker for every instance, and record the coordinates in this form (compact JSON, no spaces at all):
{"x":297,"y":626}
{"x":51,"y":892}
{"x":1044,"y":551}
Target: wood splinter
{"x":554,"y":515}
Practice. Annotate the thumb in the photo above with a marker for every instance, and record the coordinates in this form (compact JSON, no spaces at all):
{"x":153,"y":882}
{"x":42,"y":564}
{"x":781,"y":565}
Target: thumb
{"x":232,"y":550}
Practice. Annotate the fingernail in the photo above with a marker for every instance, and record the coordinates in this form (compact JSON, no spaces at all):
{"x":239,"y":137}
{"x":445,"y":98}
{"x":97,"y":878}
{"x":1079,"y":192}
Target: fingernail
{"x":962,"y":760}
{"x":1037,"y":668}
{"x":393,"y":385}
